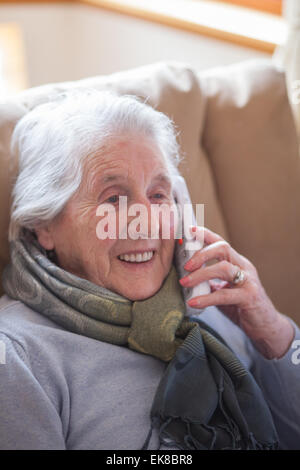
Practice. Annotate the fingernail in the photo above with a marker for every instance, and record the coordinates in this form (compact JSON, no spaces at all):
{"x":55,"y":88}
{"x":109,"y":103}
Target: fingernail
{"x":193,"y":302}
{"x":188,"y":265}
{"x":184,"y":281}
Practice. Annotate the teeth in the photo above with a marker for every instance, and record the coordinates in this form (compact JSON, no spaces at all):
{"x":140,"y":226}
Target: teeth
{"x":137,"y":258}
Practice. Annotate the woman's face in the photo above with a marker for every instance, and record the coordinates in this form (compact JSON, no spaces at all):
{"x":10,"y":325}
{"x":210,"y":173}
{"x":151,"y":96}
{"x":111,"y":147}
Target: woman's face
{"x":134,"y":168}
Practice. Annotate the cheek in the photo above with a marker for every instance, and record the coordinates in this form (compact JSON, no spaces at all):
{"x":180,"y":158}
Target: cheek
{"x":167,"y":221}
{"x":100,"y":249}
{"x":103,"y":250}
{"x":96,"y":257}
{"x":81,"y":230}
{"x":173,"y":229}
{"x":86,"y":226}
{"x":168,"y":249}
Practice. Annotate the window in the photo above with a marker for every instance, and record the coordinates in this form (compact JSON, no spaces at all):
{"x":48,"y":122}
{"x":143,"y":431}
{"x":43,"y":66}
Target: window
{"x":270,"y":6}
{"x":13,"y":77}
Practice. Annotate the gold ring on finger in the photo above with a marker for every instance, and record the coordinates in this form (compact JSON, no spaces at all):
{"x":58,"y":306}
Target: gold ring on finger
{"x":239,"y":278}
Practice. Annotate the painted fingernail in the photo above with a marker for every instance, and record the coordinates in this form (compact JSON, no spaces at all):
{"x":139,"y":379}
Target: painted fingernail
{"x":188,"y":265}
{"x":180,"y":241}
{"x":184,"y":281}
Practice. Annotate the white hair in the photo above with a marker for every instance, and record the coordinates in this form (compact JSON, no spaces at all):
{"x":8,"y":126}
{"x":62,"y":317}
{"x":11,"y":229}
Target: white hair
{"x":52,"y":141}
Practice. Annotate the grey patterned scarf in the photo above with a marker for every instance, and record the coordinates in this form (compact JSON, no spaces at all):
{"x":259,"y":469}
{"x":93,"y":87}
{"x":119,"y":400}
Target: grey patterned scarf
{"x":205,"y":400}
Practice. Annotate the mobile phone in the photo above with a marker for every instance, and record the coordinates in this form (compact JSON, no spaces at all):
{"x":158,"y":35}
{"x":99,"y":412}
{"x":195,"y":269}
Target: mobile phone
{"x":186,"y":249}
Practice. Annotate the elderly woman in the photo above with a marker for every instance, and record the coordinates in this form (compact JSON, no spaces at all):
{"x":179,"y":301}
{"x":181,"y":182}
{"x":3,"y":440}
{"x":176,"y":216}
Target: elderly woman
{"x":103,"y":349}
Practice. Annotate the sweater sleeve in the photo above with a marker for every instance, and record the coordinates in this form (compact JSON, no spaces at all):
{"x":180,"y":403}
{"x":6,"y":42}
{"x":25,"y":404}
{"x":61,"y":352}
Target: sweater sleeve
{"x":279,"y":380}
{"x":28,"y":418}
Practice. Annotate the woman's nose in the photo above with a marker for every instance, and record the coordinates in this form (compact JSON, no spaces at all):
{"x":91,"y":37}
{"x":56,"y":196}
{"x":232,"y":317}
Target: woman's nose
{"x":142,"y":221}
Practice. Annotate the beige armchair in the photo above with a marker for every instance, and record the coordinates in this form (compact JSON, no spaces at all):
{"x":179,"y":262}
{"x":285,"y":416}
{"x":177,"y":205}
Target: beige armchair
{"x":241,"y":158}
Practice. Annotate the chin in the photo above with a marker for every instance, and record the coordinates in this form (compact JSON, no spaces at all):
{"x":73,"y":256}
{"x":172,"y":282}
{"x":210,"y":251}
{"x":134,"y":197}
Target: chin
{"x":141,"y":293}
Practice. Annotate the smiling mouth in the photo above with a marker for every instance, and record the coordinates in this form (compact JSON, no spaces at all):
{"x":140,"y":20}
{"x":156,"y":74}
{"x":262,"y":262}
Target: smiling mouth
{"x":141,"y":257}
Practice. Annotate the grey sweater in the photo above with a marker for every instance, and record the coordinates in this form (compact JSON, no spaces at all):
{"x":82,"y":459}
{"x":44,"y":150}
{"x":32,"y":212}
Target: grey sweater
{"x":60,"y":390}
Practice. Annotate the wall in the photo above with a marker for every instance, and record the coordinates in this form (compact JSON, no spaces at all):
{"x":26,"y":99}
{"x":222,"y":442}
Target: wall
{"x":67,"y":42}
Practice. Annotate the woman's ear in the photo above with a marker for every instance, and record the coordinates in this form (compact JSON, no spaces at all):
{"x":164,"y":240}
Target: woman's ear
{"x":45,"y":238}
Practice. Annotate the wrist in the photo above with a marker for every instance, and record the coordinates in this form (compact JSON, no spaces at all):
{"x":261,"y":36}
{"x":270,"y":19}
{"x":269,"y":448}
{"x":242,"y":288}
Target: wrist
{"x":275,"y":343}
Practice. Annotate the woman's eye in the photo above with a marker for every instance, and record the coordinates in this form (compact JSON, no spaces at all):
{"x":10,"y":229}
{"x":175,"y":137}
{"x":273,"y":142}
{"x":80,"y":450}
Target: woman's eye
{"x":113,"y":199}
{"x":158,"y":196}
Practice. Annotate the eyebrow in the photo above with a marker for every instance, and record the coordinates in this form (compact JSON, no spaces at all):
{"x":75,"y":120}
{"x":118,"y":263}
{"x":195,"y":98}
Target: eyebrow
{"x":111,"y":178}
{"x":161,"y":177}
{"x":100,"y":182}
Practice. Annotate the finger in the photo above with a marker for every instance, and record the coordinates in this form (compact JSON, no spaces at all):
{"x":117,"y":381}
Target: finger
{"x":219,"y":297}
{"x":206,"y":237}
{"x":203,"y":233}
{"x":223,"y":270}
{"x":220,"y":250}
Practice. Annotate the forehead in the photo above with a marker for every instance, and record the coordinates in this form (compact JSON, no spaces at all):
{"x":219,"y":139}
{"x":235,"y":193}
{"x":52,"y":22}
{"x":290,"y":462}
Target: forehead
{"x":124,"y":159}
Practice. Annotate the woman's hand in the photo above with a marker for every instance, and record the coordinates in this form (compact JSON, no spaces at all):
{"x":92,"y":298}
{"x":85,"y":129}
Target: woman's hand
{"x":245,"y":303}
